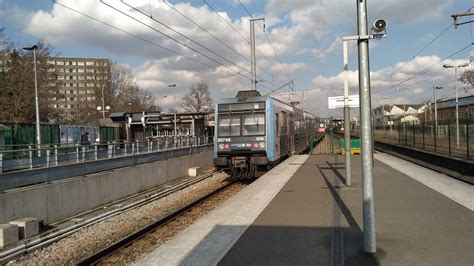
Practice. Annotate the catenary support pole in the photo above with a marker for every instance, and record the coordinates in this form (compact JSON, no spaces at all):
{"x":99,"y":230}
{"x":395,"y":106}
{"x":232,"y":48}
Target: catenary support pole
{"x":347,"y":127}
{"x":457,"y":105}
{"x":252,"y":53}
{"x":366,"y":127}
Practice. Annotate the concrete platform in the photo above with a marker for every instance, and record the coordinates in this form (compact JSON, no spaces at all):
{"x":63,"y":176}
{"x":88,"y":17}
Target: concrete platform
{"x":313,"y":219}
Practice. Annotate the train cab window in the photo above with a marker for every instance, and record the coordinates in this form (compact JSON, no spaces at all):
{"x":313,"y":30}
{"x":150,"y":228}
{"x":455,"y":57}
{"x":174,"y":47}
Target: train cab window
{"x":253,"y":124}
{"x":229,"y":125}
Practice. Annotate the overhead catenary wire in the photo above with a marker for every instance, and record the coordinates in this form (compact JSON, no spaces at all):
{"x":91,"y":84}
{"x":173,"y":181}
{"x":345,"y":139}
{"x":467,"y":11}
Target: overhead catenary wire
{"x":213,"y":35}
{"x":426,"y":70}
{"x":185,"y":36}
{"x":176,"y":40}
{"x":205,"y":30}
{"x":133,"y":35}
{"x":268,"y":40}
{"x":145,"y":40}
{"x":424,"y":48}
{"x":234,"y":29}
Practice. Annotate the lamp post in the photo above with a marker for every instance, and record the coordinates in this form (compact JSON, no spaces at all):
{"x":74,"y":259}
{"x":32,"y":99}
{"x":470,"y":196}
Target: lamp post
{"x":436,"y":112}
{"x":456,"y":88}
{"x":390,"y":122}
{"x":103,"y":110}
{"x":38,"y":133}
{"x":174,"y":95}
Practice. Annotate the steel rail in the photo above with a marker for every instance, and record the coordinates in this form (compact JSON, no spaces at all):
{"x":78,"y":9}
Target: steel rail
{"x":43,"y":241}
{"x":109,"y":250}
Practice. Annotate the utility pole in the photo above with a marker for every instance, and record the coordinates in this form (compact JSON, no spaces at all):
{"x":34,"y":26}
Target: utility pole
{"x":456,"y":89}
{"x":366,"y":127}
{"x":347,"y":115}
{"x":253,"y":59}
{"x":436,"y":109}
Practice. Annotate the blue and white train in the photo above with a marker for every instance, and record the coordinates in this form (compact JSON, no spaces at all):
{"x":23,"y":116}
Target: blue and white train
{"x":253,"y":133}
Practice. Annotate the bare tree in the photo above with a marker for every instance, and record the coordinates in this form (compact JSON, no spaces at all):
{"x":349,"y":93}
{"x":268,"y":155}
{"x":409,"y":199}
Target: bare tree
{"x":468,"y":78}
{"x":198,"y":100}
{"x":17,"y":82}
{"x":123,"y":93}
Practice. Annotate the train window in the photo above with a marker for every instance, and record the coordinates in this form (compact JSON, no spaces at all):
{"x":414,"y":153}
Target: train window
{"x":284,"y":123}
{"x":229,"y":125}
{"x":277,"y":127}
{"x":253,"y":124}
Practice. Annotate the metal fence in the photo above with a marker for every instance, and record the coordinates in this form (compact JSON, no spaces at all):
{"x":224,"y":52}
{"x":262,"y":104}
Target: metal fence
{"x":28,"y":156}
{"x":448,"y":139}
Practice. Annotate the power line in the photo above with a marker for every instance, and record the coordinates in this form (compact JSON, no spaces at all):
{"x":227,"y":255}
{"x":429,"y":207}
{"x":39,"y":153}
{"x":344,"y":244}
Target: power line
{"x":234,"y":29}
{"x":268,"y":40}
{"x":392,"y":93}
{"x":426,"y":70}
{"x":205,"y":30}
{"x":420,"y":51}
{"x":212,"y":35}
{"x":143,"y":39}
{"x":133,"y":35}
{"x":223,"y":19}
{"x":184,"y":36}
{"x":176,"y":40}
{"x":425,"y":47}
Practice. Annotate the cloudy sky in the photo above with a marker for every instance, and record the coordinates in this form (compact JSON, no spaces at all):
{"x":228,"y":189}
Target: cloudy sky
{"x":187,"y":42}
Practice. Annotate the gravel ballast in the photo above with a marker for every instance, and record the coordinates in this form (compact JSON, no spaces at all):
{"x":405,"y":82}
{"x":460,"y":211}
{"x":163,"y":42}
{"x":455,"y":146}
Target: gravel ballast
{"x":87,"y":240}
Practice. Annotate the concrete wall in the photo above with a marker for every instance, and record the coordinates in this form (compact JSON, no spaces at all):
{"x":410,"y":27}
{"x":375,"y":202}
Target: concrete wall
{"x":57,"y":200}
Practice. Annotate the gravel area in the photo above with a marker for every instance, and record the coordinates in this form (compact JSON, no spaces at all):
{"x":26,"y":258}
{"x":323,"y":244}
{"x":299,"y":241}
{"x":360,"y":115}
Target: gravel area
{"x":97,"y":236}
{"x":151,"y":241}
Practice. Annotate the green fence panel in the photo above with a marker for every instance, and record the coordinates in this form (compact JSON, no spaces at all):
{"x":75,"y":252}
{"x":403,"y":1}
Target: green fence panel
{"x":23,"y":134}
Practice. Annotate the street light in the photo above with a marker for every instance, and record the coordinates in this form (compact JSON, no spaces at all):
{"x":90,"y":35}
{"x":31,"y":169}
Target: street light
{"x":436,"y":112}
{"x":174,"y":95}
{"x":103,"y":110}
{"x":38,"y":134}
{"x":456,"y":88}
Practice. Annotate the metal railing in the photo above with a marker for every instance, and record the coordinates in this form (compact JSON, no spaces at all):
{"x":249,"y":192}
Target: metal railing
{"x":29,"y":157}
{"x":423,"y":136}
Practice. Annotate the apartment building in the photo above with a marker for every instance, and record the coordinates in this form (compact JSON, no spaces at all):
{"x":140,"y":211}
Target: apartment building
{"x":77,"y":84}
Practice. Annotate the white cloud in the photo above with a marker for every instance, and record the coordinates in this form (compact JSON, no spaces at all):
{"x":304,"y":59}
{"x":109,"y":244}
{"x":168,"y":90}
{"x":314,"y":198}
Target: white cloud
{"x":384,"y":87}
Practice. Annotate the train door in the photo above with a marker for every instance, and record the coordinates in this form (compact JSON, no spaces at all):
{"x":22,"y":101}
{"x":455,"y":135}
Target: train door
{"x":284,"y":140}
{"x":277,"y":136}
{"x":291,"y":133}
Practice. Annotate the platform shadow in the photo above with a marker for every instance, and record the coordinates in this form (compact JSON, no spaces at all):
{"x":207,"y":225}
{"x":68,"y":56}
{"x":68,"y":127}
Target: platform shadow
{"x":353,"y":236}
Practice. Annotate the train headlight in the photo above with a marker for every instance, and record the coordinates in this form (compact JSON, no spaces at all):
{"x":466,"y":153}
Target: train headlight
{"x":221,"y":146}
{"x":226,"y":146}
{"x":262,"y":145}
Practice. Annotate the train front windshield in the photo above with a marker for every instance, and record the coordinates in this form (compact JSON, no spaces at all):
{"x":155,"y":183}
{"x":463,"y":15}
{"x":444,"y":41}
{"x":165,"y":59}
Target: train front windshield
{"x":229,"y":125}
{"x":253,"y":124}
{"x":237,"y":120}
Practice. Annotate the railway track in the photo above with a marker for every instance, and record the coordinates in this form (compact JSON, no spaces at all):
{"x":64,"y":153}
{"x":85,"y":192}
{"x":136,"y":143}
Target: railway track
{"x":108,"y":251}
{"x":148,"y":196}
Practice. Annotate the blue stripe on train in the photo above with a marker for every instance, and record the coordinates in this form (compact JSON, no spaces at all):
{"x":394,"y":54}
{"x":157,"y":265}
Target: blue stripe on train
{"x":270,"y":129}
